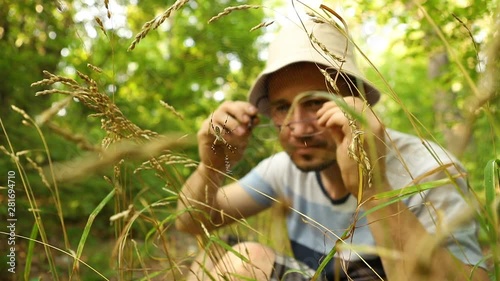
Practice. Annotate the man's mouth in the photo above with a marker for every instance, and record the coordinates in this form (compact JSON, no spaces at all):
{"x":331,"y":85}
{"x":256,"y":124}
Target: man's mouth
{"x":307,"y":146}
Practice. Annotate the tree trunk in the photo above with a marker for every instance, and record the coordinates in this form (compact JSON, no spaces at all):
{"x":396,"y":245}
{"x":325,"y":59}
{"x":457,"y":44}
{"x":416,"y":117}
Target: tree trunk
{"x":448,"y":119}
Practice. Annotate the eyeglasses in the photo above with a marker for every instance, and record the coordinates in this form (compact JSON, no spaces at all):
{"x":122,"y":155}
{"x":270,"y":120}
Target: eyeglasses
{"x":270,"y":131}
{"x":308,"y":103}
{"x":282,"y":114}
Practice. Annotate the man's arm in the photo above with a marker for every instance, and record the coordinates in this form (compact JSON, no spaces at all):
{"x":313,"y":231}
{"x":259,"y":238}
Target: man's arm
{"x":203,"y":200}
{"x":395,"y":227}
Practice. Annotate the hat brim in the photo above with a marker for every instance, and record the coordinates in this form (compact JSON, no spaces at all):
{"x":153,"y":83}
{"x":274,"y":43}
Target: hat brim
{"x":259,"y":94}
{"x":293,"y":44}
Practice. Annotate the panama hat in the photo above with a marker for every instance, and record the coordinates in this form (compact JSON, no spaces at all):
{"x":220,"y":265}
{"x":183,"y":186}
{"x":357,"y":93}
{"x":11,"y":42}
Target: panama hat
{"x":298,"y":43}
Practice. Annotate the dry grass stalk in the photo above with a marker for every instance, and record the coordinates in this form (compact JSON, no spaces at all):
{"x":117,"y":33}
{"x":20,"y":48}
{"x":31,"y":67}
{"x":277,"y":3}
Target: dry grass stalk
{"x":123,"y":214}
{"x":116,"y":125}
{"x":6,"y":152}
{"x":80,"y":140}
{"x":20,"y":111}
{"x":156,"y":22}
{"x":330,"y":81}
{"x":172,"y":109}
{"x":165,"y":159}
{"x":229,"y":10}
{"x":98,"y":162}
{"x":40,"y":171}
{"x":101,"y":25}
{"x":344,"y":29}
{"x":261,"y":25}
{"x":490,"y":81}
{"x":53,"y":110}
{"x":356,"y":149}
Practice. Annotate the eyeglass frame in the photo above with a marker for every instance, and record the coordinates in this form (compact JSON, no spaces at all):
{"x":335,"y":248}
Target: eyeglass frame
{"x":323,"y":95}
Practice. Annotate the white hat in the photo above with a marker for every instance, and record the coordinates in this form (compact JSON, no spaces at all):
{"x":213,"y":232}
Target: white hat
{"x":292,"y":44}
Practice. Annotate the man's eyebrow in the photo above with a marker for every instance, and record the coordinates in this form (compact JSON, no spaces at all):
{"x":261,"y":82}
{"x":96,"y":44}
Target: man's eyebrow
{"x":278,"y":102}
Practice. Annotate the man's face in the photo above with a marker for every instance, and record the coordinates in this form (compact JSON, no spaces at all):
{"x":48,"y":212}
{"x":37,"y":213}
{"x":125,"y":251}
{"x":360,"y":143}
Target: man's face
{"x":310,"y":147}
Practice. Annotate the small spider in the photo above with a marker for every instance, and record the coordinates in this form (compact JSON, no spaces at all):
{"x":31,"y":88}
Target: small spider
{"x":219,"y":132}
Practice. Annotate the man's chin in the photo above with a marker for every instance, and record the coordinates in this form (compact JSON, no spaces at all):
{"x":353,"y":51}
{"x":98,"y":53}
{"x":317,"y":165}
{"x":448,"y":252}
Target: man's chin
{"x":310,"y":166}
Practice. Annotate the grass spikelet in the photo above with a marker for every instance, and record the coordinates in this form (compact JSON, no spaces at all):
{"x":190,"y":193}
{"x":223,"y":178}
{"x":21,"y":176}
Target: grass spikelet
{"x":20,"y":111}
{"x":142,"y":34}
{"x":101,"y":25}
{"x":123,"y":214}
{"x":330,"y":81}
{"x":325,"y":50}
{"x":156,"y":22}
{"x":166,"y":159}
{"x":106,"y":4}
{"x":40,"y":172}
{"x":94,"y":68}
{"x":116,"y":125}
{"x":172,"y":109}
{"x":90,"y":81}
{"x":261,"y":25}
{"x":51,"y":79}
{"x":229,"y":10}
{"x":6,"y":152}
{"x":175,"y":7}
{"x":344,"y":29}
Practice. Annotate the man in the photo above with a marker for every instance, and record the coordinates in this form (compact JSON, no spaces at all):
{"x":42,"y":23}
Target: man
{"x":331,"y":145}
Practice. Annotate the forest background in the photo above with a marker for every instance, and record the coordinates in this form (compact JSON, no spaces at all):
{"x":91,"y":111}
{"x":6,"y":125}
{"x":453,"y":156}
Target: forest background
{"x":86,"y":185}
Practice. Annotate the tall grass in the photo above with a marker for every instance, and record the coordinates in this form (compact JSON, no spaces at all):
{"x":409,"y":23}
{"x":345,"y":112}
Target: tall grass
{"x":145,"y":247}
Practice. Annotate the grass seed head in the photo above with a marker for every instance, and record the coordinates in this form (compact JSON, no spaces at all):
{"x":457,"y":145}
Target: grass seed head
{"x":156,"y":22}
{"x":261,"y":25}
{"x":229,"y":10}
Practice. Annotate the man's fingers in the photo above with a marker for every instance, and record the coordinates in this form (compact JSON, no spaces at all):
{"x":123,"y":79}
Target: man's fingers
{"x":332,"y":117}
{"x":234,"y":117}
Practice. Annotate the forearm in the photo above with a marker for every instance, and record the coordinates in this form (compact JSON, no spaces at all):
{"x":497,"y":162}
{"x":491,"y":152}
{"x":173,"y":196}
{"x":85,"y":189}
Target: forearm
{"x":418,"y":254}
{"x":197,"y":203}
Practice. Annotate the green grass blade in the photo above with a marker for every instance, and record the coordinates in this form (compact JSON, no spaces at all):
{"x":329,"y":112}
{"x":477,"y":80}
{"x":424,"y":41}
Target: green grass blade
{"x":491,"y":177}
{"x":86,"y":230}
{"x":491,"y":184}
{"x":29,"y":254}
{"x":325,"y":261}
{"x":227,"y":247}
{"x":400,"y":194}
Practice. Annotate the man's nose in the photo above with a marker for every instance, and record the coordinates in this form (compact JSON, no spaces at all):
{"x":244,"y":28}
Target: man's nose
{"x":299,"y":113}
{"x":302,"y":122}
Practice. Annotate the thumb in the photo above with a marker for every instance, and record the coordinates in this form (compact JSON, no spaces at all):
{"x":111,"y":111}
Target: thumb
{"x":338,"y":135}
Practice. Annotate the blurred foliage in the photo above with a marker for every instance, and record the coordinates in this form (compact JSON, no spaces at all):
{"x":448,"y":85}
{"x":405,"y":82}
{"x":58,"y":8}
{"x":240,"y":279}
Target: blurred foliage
{"x":183,"y":63}
{"x":192,"y":66}
{"x":436,"y":93}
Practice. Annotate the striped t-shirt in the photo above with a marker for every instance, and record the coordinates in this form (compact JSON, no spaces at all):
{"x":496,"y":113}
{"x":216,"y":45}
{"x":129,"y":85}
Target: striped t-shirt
{"x":316,"y":222}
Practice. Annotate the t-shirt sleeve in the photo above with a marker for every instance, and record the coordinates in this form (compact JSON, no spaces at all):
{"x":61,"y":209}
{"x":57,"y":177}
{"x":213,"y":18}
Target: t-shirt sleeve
{"x":264,"y":181}
{"x":442,"y":210}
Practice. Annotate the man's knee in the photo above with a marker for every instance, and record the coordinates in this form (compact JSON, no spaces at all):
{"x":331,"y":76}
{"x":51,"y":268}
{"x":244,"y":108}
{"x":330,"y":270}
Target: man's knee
{"x":251,"y":259}
{"x":254,"y":251}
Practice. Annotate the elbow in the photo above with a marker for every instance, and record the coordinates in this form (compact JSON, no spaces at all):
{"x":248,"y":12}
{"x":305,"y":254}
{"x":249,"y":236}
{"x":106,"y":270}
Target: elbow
{"x":182,"y":226}
{"x":188,"y":227}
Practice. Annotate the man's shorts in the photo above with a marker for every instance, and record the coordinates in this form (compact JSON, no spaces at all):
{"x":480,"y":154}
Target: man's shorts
{"x":289,"y":269}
